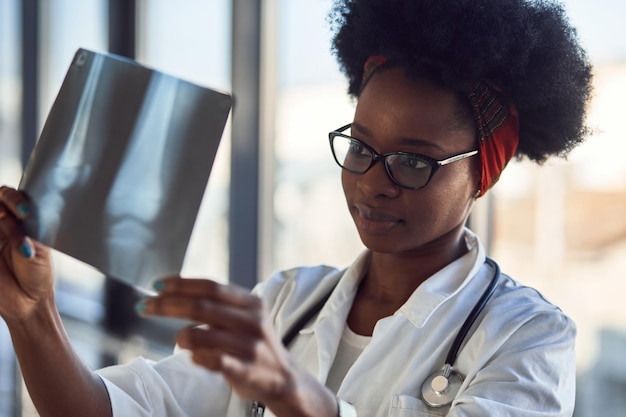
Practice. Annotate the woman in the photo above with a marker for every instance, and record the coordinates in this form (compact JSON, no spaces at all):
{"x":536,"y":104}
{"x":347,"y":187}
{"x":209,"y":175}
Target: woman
{"x":448,"y":92}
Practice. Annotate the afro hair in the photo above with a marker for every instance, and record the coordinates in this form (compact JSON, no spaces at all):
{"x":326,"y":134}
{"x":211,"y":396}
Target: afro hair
{"x":527,"y":49}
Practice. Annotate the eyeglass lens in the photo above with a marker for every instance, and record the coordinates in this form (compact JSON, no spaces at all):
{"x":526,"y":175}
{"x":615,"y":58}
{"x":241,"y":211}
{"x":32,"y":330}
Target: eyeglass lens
{"x":404,"y":169}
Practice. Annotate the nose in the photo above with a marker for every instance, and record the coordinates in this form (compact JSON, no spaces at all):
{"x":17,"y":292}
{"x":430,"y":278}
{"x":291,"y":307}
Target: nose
{"x":376,"y":181}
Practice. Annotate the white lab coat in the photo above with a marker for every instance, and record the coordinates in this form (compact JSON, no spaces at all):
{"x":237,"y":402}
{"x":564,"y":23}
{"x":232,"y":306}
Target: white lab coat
{"x":519,"y":360}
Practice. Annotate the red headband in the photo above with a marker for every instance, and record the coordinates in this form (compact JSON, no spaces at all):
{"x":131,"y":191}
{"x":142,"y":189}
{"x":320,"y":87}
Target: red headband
{"x":497,"y":126}
{"x":498,"y":132}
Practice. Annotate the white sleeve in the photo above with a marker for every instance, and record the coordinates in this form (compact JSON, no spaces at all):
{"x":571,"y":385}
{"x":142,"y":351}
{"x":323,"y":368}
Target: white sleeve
{"x":346,"y":409}
{"x":173,"y":386}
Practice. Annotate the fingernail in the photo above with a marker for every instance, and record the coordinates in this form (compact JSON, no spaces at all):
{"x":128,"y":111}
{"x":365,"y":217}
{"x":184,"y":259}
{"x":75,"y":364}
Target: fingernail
{"x":158,"y":285}
{"x":26,"y":250}
{"x":140,"y":307}
{"x":23,"y":209}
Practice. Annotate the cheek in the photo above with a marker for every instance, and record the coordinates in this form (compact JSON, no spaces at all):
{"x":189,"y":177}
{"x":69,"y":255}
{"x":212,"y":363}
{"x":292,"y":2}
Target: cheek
{"x":447,"y":201}
{"x":347,"y":182}
{"x":463,"y":180}
{"x":475,"y":173}
{"x":462,"y":189}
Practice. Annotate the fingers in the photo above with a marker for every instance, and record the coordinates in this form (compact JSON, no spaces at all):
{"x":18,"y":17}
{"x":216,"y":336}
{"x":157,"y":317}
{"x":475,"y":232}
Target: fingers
{"x":11,"y":233}
{"x":251,"y":366}
{"x":216,"y":340}
{"x":203,"y":310}
{"x":217,"y":361}
{"x":15,"y":201}
{"x":230,"y":294}
{"x":238,"y":339}
{"x":14,"y":206}
{"x":204,"y":301}
{"x":210,"y":359}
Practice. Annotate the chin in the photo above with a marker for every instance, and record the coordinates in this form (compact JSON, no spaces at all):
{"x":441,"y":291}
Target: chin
{"x":379,"y":244}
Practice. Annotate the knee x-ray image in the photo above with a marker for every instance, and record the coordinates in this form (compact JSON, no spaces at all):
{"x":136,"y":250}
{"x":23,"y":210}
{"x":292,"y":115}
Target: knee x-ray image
{"x":117,"y":176}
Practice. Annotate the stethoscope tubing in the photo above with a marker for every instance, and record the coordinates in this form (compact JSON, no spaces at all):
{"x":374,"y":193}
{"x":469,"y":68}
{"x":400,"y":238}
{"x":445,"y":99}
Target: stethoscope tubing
{"x":441,"y":387}
{"x":473,"y":315}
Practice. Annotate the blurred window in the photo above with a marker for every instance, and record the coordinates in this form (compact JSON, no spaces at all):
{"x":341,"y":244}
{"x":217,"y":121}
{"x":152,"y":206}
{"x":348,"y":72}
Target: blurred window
{"x":311,"y":223}
{"x":561,"y":227}
{"x":66,"y":26}
{"x":10,"y":91}
{"x":10,"y":167}
{"x":191,"y":40}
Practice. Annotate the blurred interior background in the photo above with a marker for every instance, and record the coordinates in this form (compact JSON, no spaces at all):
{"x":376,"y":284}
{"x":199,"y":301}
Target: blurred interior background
{"x":274,"y":199}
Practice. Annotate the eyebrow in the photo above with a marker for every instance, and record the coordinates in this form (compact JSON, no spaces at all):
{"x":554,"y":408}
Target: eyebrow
{"x":407,"y":141}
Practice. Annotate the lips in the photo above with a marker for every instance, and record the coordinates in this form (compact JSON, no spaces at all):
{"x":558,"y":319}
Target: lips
{"x":373,"y":220}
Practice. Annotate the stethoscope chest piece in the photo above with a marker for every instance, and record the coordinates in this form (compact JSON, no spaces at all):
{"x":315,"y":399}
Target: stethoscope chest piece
{"x":439,"y":390}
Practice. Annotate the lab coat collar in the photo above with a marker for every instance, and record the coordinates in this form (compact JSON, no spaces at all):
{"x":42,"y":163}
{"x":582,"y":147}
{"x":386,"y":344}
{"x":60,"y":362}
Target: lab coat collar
{"x":445,"y":283}
{"x":427,"y":297}
{"x":418,"y":309}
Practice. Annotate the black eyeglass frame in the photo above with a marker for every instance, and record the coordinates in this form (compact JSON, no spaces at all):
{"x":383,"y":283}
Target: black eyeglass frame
{"x":375,"y":156}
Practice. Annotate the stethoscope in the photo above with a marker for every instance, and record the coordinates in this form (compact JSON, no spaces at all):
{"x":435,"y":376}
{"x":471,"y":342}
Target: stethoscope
{"x":441,"y":387}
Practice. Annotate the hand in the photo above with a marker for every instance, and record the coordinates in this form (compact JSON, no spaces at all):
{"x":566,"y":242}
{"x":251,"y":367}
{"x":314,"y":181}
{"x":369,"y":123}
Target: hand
{"x":238,"y":340}
{"x":26,"y":277}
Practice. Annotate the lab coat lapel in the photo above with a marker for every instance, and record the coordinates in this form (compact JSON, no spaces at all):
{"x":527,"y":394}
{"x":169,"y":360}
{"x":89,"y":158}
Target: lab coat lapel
{"x":331,"y":321}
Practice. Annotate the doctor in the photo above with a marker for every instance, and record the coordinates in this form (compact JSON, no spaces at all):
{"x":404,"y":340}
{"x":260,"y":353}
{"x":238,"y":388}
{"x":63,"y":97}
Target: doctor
{"x":448,"y":92}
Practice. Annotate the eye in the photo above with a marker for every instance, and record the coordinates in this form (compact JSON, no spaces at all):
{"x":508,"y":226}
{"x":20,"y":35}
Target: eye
{"x":357,"y":149}
{"x":415,"y":162}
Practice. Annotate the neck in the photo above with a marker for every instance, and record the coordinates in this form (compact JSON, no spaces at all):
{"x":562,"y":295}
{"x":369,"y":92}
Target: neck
{"x":392,"y":278}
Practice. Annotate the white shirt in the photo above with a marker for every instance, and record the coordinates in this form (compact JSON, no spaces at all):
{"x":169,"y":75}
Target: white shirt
{"x":350,"y":347}
{"x":518,"y":361}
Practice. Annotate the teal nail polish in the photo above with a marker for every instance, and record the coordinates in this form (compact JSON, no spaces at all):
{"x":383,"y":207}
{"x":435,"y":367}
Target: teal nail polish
{"x":140,"y":307}
{"x":23,"y":209}
{"x":26,"y":251}
{"x":158,"y":285}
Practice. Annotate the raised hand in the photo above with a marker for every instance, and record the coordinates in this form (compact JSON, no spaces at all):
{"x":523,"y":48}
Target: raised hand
{"x":237,"y":339}
{"x":26,"y":274}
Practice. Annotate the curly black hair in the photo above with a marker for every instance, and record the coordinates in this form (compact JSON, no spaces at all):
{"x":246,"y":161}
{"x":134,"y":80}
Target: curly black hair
{"x":528,"y":49}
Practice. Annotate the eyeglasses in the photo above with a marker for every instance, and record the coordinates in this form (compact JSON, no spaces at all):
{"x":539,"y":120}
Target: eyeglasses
{"x":407,"y":170}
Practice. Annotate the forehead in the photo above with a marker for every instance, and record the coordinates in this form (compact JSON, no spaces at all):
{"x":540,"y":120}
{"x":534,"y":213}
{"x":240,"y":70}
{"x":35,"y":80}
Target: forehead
{"x":393,"y":105}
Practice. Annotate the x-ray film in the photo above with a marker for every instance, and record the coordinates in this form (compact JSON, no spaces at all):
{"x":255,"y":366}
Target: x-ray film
{"x":121,"y":165}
